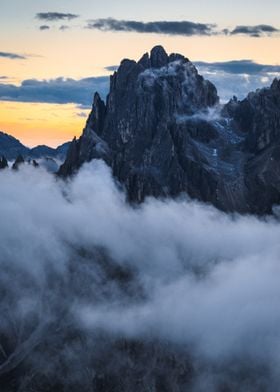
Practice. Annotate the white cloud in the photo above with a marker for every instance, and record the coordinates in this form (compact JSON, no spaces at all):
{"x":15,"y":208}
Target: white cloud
{"x":199,"y":278}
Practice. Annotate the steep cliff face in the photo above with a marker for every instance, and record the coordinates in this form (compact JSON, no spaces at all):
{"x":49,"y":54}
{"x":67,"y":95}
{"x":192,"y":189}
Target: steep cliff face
{"x":163,"y":132}
{"x":258,"y":118}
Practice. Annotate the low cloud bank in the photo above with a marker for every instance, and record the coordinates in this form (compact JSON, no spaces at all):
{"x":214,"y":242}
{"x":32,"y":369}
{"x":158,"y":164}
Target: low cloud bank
{"x":231,"y":78}
{"x":238,"y":77}
{"x":76,"y":255}
{"x":60,"y":90}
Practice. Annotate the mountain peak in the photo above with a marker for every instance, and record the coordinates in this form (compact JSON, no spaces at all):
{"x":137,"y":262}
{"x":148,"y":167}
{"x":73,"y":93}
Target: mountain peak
{"x":145,"y":98}
{"x":159,"y":57}
{"x":163,"y":133}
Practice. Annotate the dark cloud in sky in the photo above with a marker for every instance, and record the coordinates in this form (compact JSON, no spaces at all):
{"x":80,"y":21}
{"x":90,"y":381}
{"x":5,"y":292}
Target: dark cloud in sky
{"x":44,"y":27}
{"x":55,"y":16}
{"x":82,"y":114}
{"x":255,"y":31}
{"x":185,"y":28}
{"x":61,"y":28}
{"x":239,"y":67}
{"x":64,"y":27}
{"x":12,"y":56}
{"x":59,"y":91}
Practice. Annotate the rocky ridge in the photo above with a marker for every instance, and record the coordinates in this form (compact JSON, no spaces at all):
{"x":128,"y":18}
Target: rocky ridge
{"x":163,"y":132}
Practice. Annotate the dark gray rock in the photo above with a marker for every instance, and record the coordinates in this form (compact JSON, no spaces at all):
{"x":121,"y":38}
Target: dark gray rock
{"x":164,"y":133}
{"x":3,"y":163}
{"x":257,"y":117}
{"x":159,"y":57}
{"x":18,"y":162}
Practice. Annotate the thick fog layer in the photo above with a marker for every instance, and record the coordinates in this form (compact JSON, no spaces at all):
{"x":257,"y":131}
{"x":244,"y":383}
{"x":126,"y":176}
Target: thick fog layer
{"x":176,"y":272}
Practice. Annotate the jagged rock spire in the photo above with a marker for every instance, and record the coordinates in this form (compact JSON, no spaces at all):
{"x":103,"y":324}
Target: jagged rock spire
{"x":19,"y":161}
{"x":3,"y":162}
{"x":159,"y":57}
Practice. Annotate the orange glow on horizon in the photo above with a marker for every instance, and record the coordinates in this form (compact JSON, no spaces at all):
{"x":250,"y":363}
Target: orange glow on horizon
{"x":36,"y":123}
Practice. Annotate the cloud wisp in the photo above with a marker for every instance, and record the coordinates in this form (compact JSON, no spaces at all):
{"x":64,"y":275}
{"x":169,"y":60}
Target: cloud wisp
{"x":240,"y":67}
{"x":174,"y":272}
{"x":185,"y":28}
{"x":55,"y":16}
{"x":44,"y":27}
{"x":12,"y":56}
{"x":255,"y":31}
{"x":64,"y":27}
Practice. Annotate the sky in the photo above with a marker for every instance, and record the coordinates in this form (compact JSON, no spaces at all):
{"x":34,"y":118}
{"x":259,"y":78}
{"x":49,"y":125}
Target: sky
{"x":54,"y":55}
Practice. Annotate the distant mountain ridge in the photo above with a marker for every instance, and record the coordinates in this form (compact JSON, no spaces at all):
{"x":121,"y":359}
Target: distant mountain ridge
{"x":11,"y":148}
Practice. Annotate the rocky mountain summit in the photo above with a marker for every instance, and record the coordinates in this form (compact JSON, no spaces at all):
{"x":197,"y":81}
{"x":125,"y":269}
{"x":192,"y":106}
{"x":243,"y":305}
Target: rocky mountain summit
{"x":163,"y":132}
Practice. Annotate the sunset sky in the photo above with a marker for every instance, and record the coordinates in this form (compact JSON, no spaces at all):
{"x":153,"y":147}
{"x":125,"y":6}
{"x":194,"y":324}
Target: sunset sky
{"x":55,"y":54}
